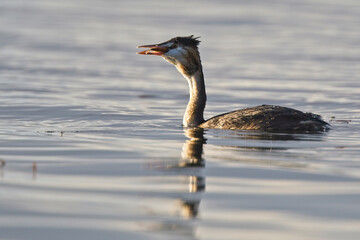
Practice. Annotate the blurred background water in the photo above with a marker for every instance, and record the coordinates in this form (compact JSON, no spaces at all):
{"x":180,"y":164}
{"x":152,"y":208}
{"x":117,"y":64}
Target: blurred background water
{"x":91,"y":142}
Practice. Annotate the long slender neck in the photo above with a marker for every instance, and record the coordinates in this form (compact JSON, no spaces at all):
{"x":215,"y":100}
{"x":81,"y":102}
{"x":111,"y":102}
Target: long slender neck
{"x":194,"y":114}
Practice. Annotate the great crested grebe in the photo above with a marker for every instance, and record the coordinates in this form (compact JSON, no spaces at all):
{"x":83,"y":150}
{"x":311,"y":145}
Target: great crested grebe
{"x":184,"y":54}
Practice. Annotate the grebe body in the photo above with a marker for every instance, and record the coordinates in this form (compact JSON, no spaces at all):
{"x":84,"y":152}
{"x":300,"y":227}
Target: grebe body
{"x":184,"y":54}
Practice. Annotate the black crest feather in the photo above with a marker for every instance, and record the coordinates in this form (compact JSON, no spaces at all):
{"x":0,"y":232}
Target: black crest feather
{"x":189,"y":41}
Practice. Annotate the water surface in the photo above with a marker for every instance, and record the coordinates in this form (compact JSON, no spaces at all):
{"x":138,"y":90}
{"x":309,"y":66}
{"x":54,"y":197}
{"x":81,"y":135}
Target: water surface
{"x":91,"y":142}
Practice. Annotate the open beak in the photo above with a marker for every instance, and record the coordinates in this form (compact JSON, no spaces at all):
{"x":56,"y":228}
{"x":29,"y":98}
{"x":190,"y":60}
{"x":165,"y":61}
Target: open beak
{"x":155,"y":49}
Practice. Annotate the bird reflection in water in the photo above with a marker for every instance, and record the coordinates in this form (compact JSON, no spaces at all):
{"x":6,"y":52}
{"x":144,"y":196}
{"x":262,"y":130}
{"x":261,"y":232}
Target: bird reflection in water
{"x":189,"y":165}
{"x":192,"y":156}
{"x":192,"y":162}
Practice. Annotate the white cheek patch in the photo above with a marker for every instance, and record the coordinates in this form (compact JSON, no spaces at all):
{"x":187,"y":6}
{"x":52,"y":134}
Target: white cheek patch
{"x":178,"y":54}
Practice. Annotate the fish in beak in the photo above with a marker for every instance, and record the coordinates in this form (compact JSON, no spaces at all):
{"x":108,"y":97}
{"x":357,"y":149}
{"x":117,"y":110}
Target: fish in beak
{"x":154,"y":49}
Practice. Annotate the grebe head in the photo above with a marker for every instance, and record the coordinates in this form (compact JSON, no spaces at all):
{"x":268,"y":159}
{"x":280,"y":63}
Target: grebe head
{"x":179,"y":51}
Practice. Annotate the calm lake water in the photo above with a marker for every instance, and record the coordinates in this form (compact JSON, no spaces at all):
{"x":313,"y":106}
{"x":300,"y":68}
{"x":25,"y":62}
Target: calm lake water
{"x":91,"y":142}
